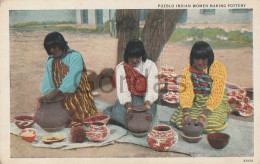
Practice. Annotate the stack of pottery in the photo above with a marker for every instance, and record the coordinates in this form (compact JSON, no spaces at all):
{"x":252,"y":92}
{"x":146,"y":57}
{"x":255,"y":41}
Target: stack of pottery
{"x":162,"y":138}
{"x":97,"y":131}
{"x":192,"y":132}
{"x":138,"y":121}
{"x":52,"y":115}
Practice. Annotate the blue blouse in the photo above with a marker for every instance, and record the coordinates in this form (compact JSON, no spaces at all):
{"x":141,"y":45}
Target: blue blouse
{"x":71,"y":81}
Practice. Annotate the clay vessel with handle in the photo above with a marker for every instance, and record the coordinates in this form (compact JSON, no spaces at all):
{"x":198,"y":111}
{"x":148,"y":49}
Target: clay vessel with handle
{"x":138,"y":120}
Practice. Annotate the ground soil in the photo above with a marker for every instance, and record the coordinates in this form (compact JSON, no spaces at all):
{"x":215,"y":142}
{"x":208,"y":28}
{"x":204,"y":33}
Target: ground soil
{"x":27,"y":61}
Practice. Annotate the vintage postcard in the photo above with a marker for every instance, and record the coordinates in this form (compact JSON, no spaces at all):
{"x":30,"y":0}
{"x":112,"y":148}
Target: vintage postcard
{"x":134,"y":81}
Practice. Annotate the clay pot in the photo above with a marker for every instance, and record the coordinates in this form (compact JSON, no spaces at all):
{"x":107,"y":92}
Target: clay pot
{"x":138,"y":121}
{"x":192,"y":129}
{"x":52,"y":115}
{"x":162,"y":138}
{"x":97,"y":131}
{"x":218,"y":140}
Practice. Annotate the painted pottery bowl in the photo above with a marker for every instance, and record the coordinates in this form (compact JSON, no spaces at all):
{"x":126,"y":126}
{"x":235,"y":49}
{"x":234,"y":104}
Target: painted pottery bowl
{"x":218,"y":140}
{"x":97,"y":131}
{"x":162,"y":138}
{"x":24,"y":121}
{"x":97,"y":118}
{"x":28,"y":134}
{"x":191,"y":139}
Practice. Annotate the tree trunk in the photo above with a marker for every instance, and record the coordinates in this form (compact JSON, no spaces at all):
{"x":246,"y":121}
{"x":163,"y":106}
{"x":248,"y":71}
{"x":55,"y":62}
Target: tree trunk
{"x":127,"y":26}
{"x":159,"y":25}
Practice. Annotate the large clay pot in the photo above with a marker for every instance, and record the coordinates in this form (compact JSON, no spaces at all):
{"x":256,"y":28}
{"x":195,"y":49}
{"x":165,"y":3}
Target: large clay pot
{"x":192,"y":129}
{"x":52,"y":115}
{"x":162,"y":138}
{"x":138,"y":121}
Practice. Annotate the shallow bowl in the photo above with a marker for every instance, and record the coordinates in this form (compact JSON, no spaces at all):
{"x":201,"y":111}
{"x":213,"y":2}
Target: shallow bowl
{"x":24,"y":121}
{"x":97,"y":118}
{"x":28,"y":134}
{"x":191,"y":139}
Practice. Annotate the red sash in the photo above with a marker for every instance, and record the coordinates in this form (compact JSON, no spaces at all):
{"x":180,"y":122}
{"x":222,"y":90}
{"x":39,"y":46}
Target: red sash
{"x":136,"y":82}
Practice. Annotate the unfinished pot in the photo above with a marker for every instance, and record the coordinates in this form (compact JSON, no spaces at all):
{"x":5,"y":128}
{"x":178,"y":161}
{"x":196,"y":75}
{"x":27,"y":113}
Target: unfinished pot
{"x":52,"y":115}
{"x":192,"y":129}
{"x":138,"y":121}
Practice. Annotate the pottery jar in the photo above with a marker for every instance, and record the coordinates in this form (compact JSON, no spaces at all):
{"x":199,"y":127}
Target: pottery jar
{"x":138,"y":120}
{"x":192,"y":129}
{"x":162,"y":138}
{"x":97,"y":131}
{"x":52,"y":115}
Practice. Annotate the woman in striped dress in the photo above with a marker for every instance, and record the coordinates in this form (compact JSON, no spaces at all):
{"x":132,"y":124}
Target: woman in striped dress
{"x":65,"y":75}
{"x":202,"y":92}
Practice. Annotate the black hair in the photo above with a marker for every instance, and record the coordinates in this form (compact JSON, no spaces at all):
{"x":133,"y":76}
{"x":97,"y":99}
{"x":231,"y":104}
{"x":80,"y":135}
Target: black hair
{"x":201,"y":50}
{"x":55,"y":39}
{"x":135,"y":48}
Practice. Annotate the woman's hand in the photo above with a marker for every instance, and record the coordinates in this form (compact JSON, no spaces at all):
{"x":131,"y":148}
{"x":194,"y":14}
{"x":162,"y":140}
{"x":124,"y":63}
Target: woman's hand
{"x":201,"y":119}
{"x":51,"y":96}
{"x":128,"y":107}
{"x":186,"y":117}
{"x":147,"y":105}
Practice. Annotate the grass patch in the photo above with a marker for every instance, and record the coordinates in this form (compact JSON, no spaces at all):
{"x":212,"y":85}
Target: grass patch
{"x":28,"y":24}
{"x":62,"y":26}
{"x":216,"y":37}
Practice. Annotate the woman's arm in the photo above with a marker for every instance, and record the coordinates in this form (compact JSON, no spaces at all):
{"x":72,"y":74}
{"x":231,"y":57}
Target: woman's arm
{"x":218,"y":74}
{"x":152,"y":85}
{"x":123,"y":94}
{"x":47,"y":85}
{"x":71,"y":81}
{"x":186,"y":94}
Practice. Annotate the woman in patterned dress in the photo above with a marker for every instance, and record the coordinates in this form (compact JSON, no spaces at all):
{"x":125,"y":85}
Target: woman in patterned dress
{"x":65,"y":75}
{"x":202,"y":92}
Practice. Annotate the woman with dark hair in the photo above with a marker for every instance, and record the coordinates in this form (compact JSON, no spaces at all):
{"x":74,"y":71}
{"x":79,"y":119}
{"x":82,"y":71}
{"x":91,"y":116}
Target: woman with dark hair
{"x":65,"y":74}
{"x":136,"y":83}
{"x":202,"y":92}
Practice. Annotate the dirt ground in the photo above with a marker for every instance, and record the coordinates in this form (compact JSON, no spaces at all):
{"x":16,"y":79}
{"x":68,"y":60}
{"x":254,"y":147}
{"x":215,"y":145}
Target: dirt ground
{"x":27,"y":61}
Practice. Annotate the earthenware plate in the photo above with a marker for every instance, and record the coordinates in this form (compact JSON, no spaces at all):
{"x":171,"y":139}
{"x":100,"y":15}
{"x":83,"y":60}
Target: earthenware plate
{"x":49,"y":139}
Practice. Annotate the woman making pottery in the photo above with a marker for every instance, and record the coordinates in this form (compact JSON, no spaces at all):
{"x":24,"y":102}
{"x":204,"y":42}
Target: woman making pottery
{"x":136,"y":83}
{"x":65,"y":74}
{"x":202,"y":92}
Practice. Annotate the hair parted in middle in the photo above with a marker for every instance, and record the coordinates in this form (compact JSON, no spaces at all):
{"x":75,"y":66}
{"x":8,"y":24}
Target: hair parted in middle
{"x":135,"y":48}
{"x":202,"y":50}
{"x":55,"y":39}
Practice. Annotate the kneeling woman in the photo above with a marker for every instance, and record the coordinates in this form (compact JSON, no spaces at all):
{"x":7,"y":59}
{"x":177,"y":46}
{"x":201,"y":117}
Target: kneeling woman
{"x":65,"y":74}
{"x":136,"y":83}
{"x":202,"y":92}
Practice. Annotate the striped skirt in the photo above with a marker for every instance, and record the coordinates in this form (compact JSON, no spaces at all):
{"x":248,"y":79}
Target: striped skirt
{"x":216,"y":120}
{"x":80,"y":103}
